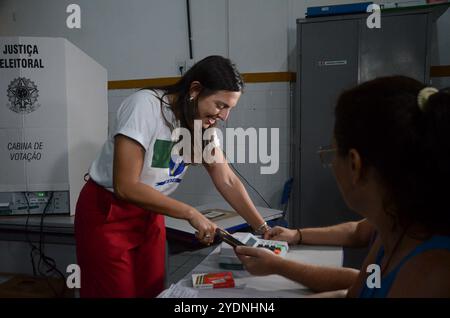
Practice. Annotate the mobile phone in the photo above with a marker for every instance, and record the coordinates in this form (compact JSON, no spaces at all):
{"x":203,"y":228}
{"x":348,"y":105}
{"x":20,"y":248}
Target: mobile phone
{"x":228,"y":238}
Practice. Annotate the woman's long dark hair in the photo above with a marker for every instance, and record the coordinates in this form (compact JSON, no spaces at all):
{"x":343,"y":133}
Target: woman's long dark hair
{"x":214,"y":73}
{"x":408,"y":147}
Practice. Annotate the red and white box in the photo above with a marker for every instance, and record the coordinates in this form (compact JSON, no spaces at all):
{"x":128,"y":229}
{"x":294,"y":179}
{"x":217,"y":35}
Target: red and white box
{"x":213,"y":280}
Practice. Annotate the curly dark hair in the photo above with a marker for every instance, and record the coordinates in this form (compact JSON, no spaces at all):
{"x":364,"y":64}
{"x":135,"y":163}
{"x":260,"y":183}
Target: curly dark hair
{"x":409,"y":147}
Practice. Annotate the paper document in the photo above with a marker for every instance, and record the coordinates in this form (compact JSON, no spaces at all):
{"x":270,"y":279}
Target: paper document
{"x":178,"y":291}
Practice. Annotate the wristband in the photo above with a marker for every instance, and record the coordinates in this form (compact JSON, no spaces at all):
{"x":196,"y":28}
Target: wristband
{"x":300,"y":239}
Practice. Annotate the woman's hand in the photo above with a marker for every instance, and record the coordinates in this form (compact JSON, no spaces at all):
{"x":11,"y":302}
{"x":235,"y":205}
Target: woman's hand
{"x":206,"y":230}
{"x":258,"y":261}
{"x":279,"y":233}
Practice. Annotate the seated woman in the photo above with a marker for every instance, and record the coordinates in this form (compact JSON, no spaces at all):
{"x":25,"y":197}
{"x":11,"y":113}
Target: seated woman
{"x":391,"y":162}
{"x":316,"y":277}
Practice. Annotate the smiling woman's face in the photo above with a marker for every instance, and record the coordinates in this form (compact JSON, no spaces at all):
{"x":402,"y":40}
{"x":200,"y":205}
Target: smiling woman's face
{"x":216,"y":107}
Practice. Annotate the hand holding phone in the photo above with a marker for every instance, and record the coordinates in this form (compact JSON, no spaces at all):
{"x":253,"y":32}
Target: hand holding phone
{"x":228,"y":238}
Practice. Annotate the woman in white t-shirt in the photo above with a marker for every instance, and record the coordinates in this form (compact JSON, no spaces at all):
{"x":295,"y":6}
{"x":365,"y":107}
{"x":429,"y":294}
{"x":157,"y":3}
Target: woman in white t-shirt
{"x":119,"y":223}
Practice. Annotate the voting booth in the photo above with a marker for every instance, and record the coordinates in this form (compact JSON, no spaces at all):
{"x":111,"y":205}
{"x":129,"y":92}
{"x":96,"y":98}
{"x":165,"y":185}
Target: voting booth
{"x":53,"y":122}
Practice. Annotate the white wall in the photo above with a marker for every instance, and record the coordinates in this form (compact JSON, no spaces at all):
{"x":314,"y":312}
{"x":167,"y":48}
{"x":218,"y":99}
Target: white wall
{"x":131,"y":39}
{"x":142,"y":38}
{"x":146,"y":38}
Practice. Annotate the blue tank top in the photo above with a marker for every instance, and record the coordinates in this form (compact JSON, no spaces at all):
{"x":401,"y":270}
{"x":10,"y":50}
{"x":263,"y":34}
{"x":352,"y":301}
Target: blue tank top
{"x":436,"y":242}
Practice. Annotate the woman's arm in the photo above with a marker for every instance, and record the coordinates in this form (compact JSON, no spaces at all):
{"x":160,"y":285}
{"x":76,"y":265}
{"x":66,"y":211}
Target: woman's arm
{"x":232,"y":189}
{"x":350,"y":234}
{"x":318,"y":278}
{"x":259,"y":261}
{"x":127,"y":167}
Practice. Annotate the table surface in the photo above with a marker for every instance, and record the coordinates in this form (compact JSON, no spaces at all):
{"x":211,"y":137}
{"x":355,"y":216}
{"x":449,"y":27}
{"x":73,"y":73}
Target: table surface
{"x":51,"y":223}
{"x":272,"y":286}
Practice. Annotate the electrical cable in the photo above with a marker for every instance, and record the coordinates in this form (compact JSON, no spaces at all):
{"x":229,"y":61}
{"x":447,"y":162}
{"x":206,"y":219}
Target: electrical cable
{"x":27,"y":234}
{"x":49,"y":262}
{"x":246,"y":181}
{"x":188,"y":13}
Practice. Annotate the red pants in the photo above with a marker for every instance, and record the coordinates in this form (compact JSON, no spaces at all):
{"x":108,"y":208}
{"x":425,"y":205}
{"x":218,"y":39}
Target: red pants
{"x":120,"y":247}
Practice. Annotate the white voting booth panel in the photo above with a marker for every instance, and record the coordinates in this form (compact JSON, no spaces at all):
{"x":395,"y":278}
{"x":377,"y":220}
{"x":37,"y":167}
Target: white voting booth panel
{"x":53,"y":122}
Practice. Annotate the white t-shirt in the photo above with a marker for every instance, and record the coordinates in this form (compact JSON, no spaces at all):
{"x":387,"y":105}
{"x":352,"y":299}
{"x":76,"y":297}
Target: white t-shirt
{"x":139,"y":117}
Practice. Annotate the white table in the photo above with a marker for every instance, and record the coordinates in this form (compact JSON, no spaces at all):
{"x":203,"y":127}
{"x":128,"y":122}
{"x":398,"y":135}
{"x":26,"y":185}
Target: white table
{"x":272,"y":286}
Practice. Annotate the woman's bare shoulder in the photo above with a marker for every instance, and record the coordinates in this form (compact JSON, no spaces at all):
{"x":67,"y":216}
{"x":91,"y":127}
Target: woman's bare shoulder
{"x":424,"y":275}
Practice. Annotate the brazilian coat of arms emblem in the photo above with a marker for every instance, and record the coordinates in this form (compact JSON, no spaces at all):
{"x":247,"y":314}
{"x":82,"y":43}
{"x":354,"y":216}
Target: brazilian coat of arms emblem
{"x":22,"y":96}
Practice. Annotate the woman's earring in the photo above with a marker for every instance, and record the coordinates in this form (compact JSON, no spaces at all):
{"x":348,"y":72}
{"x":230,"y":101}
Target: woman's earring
{"x":191,"y":98}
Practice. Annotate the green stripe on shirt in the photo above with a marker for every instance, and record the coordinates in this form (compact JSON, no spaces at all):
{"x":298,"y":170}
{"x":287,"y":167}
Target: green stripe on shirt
{"x":161,"y":153}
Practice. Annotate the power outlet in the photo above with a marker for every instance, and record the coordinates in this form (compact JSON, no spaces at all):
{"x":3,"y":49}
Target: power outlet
{"x":181,"y":67}
{"x":184,"y":66}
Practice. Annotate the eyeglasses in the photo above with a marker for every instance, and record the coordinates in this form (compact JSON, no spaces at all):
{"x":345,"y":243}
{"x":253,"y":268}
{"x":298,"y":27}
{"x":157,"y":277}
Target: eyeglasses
{"x":327,"y":155}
